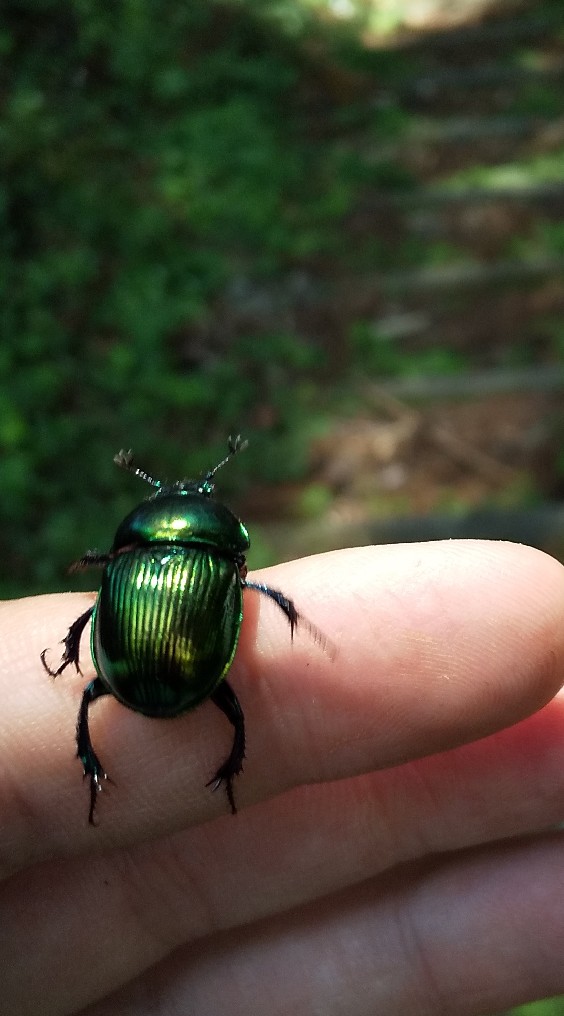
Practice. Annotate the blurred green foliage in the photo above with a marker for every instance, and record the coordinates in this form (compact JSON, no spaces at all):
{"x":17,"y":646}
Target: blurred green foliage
{"x":548,"y":1007}
{"x":381,"y":356}
{"x":149,"y":153}
{"x":169,"y":173}
{"x":152,"y":155}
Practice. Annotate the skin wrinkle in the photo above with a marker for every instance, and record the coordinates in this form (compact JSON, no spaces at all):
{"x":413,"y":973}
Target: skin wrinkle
{"x":362,"y":944}
{"x":288,"y":723}
{"x":25,"y":817}
{"x":228,"y":963}
{"x":426,"y":802}
{"x":430,"y":999}
{"x":264,"y":685}
{"x":268,"y":701}
{"x":542,"y":752}
{"x":172,"y":880}
{"x":378,"y":812}
{"x":480,"y":921}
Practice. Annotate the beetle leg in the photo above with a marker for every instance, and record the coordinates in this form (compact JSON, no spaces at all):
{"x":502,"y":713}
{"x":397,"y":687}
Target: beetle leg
{"x":71,"y":643}
{"x":84,"y":750}
{"x":225,"y":699}
{"x":294,"y":618}
{"x":92,"y":559}
{"x":286,"y":605}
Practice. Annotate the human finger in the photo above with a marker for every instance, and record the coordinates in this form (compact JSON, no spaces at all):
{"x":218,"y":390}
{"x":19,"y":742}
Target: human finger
{"x":469,"y":934}
{"x":437,"y":644}
{"x":92,"y":927}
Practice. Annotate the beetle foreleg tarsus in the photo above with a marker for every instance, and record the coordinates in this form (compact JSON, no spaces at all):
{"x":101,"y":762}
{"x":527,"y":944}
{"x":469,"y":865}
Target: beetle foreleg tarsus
{"x":71,"y":643}
{"x":93,"y":768}
{"x":225,"y":699}
{"x":92,"y":559}
{"x":286,"y":606}
{"x":295,"y":619}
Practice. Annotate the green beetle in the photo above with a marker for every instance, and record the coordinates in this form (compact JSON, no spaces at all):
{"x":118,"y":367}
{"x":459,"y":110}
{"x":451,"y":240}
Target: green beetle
{"x":166,"y":622}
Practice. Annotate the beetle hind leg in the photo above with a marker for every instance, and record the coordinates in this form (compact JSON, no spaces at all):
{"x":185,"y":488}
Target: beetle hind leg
{"x":84,"y":751}
{"x":225,"y":699}
{"x":71,"y":643}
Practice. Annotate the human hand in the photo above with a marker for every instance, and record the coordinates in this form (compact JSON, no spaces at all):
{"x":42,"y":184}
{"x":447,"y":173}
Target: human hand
{"x":342,"y":887}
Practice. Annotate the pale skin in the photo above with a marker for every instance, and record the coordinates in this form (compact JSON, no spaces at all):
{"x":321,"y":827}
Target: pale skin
{"x":394,"y":850}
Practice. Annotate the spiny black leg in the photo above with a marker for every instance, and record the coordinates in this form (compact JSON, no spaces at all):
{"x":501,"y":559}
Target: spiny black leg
{"x":71,"y":643}
{"x":91,"y":559}
{"x":286,"y":605}
{"x":225,"y":699}
{"x":294,"y":618}
{"x":84,"y":750}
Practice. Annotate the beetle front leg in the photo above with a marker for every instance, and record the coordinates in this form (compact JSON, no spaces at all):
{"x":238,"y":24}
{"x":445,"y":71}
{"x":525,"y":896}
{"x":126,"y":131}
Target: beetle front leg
{"x":286,"y":605}
{"x":84,"y":751}
{"x":92,"y":559}
{"x":225,"y":699}
{"x":295,"y":619}
{"x":71,"y":643}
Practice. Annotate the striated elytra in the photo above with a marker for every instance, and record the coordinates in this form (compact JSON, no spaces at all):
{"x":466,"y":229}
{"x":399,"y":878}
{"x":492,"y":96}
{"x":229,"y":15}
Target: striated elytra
{"x":166,"y":622}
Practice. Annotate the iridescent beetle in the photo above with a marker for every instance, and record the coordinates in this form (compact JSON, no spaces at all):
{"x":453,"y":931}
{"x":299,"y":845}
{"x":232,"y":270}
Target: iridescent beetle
{"x":166,"y":622}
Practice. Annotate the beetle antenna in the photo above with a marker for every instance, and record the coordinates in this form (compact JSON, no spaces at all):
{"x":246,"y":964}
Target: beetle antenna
{"x":124,"y":460}
{"x":234,"y":445}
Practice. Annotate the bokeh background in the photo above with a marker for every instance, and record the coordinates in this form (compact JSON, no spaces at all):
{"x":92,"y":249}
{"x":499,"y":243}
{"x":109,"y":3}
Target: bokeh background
{"x":335,"y":226}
